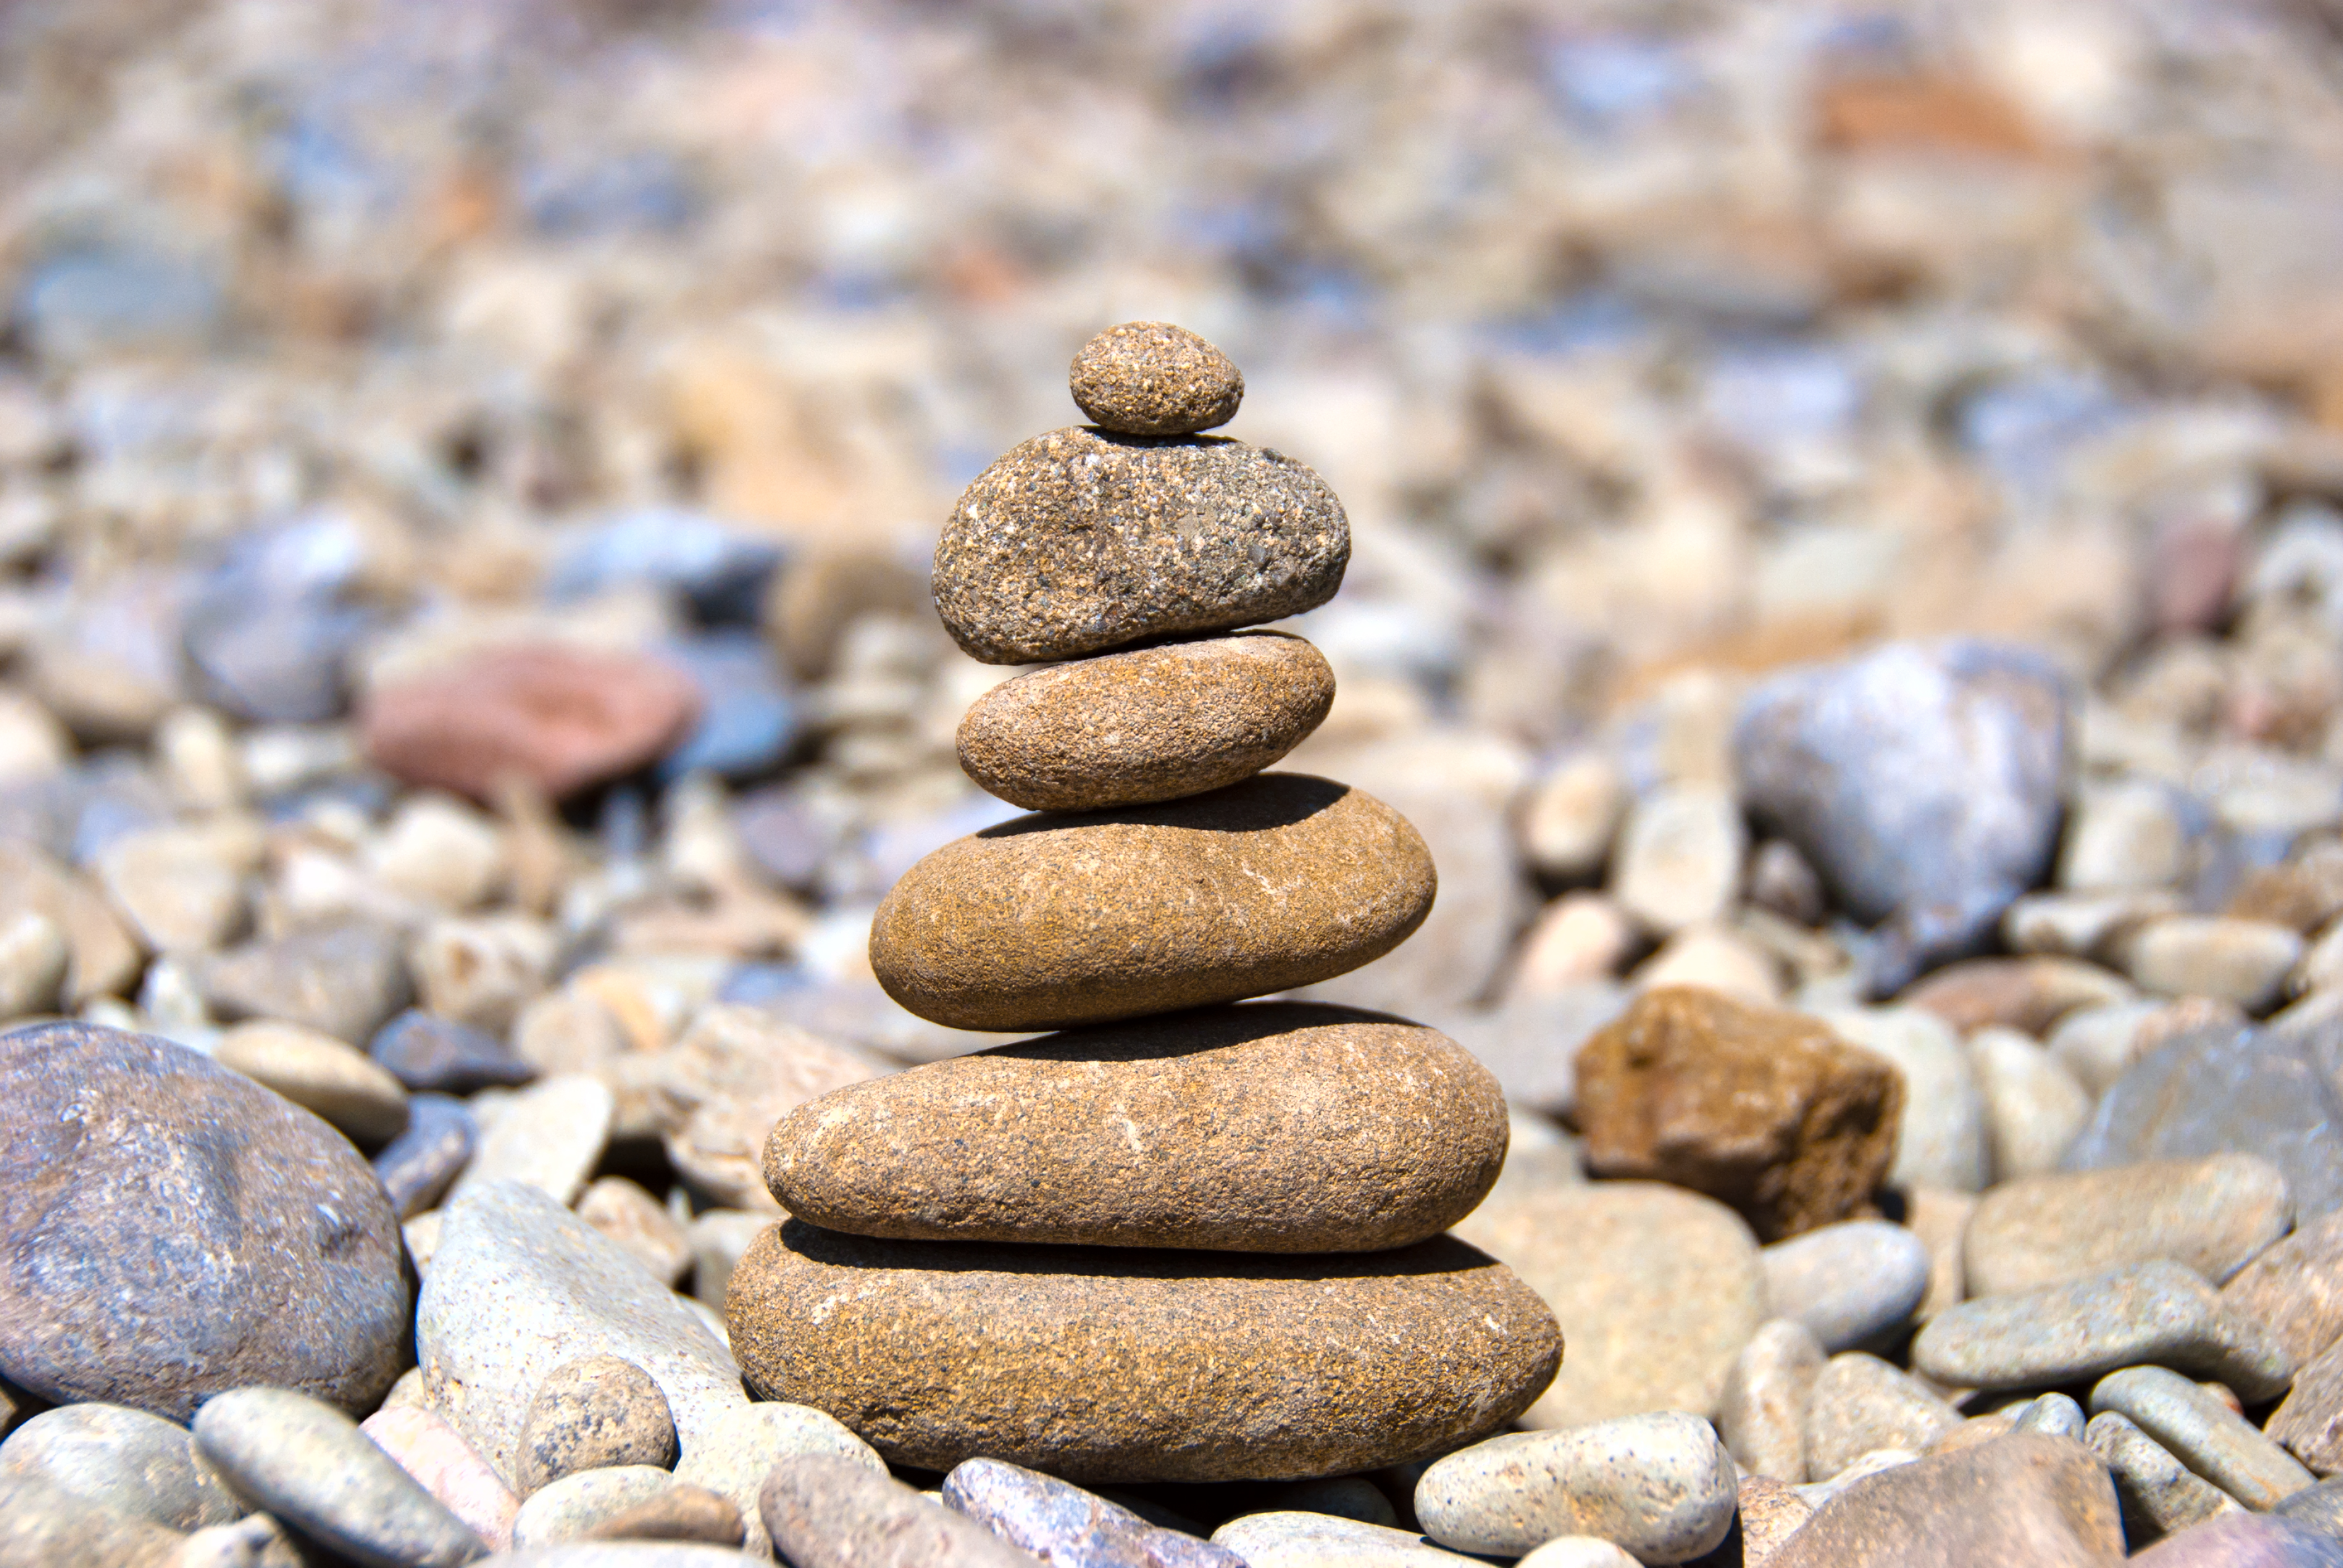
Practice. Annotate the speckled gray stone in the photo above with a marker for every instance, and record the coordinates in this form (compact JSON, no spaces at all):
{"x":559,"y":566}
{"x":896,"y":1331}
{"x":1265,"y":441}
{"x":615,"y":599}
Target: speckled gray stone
{"x":1145,"y":724}
{"x":2053,"y":1415}
{"x":518,"y":1286}
{"x":569,"y":1508}
{"x":1660,"y":1484}
{"x":2204,"y":1433}
{"x":1152,"y":378}
{"x":1861,"y":1403}
{"x":2296,"y":1288}
{"x":2158,"y":1493}
{"x":595,"y":1412}
{"x":175,"y":1230}
{"x":418,"y":1166}
{"x":306,"y":1464}
{"x":824,"y":1511}
{"x":1762,"y":1418}
{"x":2309,"y":1422}
{"x":742,"y":1445}
{"x":131,"y":1462}
{"x":2213,"y":1214}
{"x":2156,"y":1313}
{"x":1321,"y":1540}
{"x":42,"y":1525}
{"x":1082,"y":539}
{"x":1849,"y":1282}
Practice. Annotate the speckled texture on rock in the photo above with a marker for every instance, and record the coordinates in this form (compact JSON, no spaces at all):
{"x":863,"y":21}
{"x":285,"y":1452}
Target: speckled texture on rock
{"x":1083,"y":540}
{"x":1659,"y":1484}
{"x":1656,"y":1290}
{"x":1153,"y":379}
{"x":2158,"y":1494}
{"x":2212,"y":1214}
{"x":42,"y":1525}
{"x":571,"y":1508}
{"x":595,"y":1411}
{"x":825,"y":1512}
{"x":1763,"y":1109}
{"x":2309,"y":1422}
{"x":742,"y":1446}
{"x":519,"y":1286}
{"x":1063,"y":1524}
{"x":175,"y":1230}
{"x":680,"y":1512}
{"x":1270,"y":1128}
{"x":1107,"y":1365}
{"x":2045,"y":1502}
{"x":2296,"y":1288}
{"x":1923,"y":782}
{"x":1050,"y":921}
{"x":2158,"y":1313}
{"x":1146,"y":724}
{"x":1860,"y":1403}
{"x":2200,"y":1430}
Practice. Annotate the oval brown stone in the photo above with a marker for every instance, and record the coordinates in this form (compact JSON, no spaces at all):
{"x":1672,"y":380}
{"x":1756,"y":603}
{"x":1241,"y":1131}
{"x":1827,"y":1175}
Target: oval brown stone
{"x":1084,"y":540}
{"x":1050,"y":921}
{"x":1270,"y":1128}
{"x":1149,"y":723}
{"x":1152,"y":378}
{"x":1110,"y":1364}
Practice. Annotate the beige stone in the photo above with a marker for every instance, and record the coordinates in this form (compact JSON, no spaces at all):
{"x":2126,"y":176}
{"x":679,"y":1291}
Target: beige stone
{"x":319,"y":1073}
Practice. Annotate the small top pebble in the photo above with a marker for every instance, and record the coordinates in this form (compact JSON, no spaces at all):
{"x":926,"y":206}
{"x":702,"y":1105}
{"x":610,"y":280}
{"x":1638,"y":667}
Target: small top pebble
{"x":1152,"y":378}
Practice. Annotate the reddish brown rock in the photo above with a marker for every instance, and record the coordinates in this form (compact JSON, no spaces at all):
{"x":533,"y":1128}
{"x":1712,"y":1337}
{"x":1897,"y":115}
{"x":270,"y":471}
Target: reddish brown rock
{"x":1765,"y":1110}
{"x":2045,"y":1502}
{"x":1272,"y":1128}
{"x":1051,"y":921}
{"x":1147,"y":724}
{"x":1096,"y":1363}
{"x":562,"y":718}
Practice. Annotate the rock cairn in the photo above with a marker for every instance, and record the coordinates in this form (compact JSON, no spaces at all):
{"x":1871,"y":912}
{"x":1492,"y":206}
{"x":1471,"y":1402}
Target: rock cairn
{"x":1188,"y":1237}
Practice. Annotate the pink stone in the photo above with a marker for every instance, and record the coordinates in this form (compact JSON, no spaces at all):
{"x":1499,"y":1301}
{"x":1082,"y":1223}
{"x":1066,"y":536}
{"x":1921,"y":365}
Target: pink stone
{"x":433,"y":1452}
{"x":563,"y":719}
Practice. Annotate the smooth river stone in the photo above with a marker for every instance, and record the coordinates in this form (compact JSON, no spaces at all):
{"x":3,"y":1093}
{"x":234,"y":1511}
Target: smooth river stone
{"x":1849,"y":1282}
{"x":175,"y":1230}
{"x":2156,"y":1313}
{"x":1153,"y":379}
{"x":518,"y":1287}
{"x":741,"y":1447}
{"x":826,"y":1512}
{"x":1294,"y":1540}
{"x":2296,"y":1287}
{"x":1660,"y":1484}
{"x":1147,"y":724}
{"x":1082,"y":540}
{"x":1762,"y":1417}
{"x":1275,"y":1127}
{"x":2201,"y":1431}
{"x":1098,"y":1365}
{"x":1050,"y":921}
{"x":1656,"y":1290}
{"x":2158,"y":1493}
{"x":2043,"y":1502}
{"x":125,"y":1460}
{"x":2212,"y":1214}
{"x":1061,"y":1523}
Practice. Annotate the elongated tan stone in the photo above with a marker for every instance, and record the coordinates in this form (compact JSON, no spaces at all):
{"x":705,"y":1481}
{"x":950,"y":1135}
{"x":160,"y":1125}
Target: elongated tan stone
{"x":1147,"y":724}
{"x":1050,"y":921}
{"x":1269,"y":1128}
{"x":1100,"y":1364}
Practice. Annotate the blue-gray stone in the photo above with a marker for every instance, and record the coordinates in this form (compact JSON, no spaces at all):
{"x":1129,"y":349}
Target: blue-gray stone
{"x":426,"y":1053}
{"x":720,"y":573}
{"x":2228,"y":1088}
{"x":418,"y":1166}
{"x":749,"y":719}
{"x":1923,"y":782}
{"x":1061,"y":1523}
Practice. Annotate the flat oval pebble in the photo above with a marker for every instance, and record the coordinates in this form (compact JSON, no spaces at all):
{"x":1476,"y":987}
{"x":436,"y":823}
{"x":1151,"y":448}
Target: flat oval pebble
{"x":308,"y":1465}
{"x":418,"y":1165}
{"x":1152,"y":378}
{"x":1146,"y":724}
{"x":518,"y":1287}
{"x":1050,"y":921}
{"x":2204,"y":1433}
{"x":679,"y":1511}
{"x":1292,"y":1540}
{"x":1659,"y":1484}
{"x":2150,"y":1313}
{"x":742,"y":1446}
{"x":2043,"y":1502}
{"x":2212,"y":1214}
{"x":560,"y":718}
{"x":550,"y":1136}
{"x":1059,"y":1523}
{"x":1105,"y":1364}
{"x":1273,"y":1127}
{"x":1861,"y":1404}
{"x":1083,"y":540}
{"x":1762,"y":1417}
{"x":1849,"y":1282}
{"x":428,"y":1053}
{"x":133,"y":1462}
{"x":2158,"y":1494}
{"x":571,"y":1508}
{"x":175,"y":1230}
{"x":826,"y":1511}
{"x":2296,"y":1288}
{"x":318,"y":1072}
{"x":595,"y":1412}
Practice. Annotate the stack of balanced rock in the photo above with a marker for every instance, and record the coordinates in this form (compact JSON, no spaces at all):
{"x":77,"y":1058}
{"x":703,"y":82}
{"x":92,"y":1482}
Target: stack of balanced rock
{"x":1180,"y":1239}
